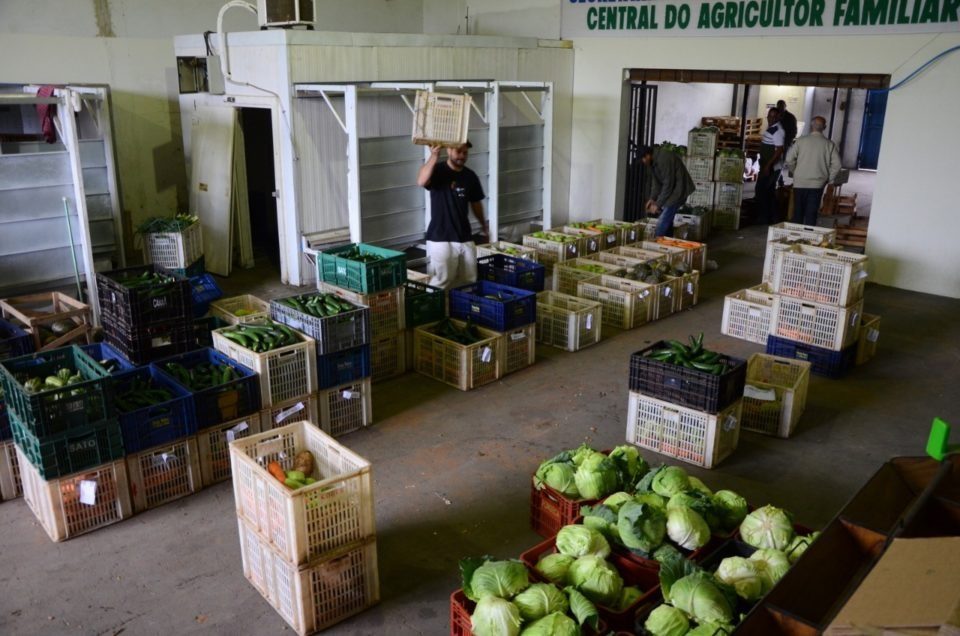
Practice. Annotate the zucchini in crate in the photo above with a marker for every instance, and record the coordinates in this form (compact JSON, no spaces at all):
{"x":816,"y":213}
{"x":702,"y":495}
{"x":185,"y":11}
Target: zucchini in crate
{"x":261,"y":338}
{"x":318,"y":305}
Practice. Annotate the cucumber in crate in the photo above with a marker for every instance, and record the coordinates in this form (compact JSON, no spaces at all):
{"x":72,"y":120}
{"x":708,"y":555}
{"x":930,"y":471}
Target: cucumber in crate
{"x":334,"y":323}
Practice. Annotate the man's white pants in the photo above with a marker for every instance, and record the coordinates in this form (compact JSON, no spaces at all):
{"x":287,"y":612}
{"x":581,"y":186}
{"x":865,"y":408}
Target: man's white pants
{"x":452,"y":264}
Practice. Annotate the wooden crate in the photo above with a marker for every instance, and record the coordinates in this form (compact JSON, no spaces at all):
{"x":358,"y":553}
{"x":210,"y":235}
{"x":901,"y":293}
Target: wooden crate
{"x":38,"y":312}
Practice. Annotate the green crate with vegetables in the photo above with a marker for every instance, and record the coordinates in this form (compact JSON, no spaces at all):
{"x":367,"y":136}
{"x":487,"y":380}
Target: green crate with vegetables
{"x":361,"y":267}
{"x":333,"y":322}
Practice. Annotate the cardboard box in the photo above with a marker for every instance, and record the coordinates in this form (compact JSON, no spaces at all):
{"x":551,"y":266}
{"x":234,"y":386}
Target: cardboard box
{"x":913,"y":590}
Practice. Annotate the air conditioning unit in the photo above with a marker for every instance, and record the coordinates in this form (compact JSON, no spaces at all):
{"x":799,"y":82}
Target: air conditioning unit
{"x":285,"y":14}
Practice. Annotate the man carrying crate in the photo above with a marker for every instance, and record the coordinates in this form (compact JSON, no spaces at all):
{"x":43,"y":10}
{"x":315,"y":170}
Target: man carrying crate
{"x":453,"y":189}
{"x":671,"y":186}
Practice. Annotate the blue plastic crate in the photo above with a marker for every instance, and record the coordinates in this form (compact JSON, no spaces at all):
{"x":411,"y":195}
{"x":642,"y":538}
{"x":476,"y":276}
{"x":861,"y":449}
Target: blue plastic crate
{"x":825,"y":362}
{"x":511,"y":271}
{"x":192,"y":270}
{"x":156,"y":424}
{"x":14,"y":341}
{"x":343,"y":367}
{"x":204,"y":290}
{"x":101,"y":351}
{"x":231,"y":400}
{"x":511,"y":308}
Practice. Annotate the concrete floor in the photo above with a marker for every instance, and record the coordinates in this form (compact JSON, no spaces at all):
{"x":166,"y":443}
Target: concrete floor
{"x":452,"y":473}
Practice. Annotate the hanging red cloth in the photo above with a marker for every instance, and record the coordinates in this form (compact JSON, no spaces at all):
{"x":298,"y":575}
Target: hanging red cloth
{"x":46,"y":113}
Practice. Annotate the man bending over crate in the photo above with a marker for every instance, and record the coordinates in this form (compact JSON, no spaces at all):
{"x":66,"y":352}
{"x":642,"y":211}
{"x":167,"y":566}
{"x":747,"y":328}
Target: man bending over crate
{"x":453,"y":188}
{"x":671,"y":186}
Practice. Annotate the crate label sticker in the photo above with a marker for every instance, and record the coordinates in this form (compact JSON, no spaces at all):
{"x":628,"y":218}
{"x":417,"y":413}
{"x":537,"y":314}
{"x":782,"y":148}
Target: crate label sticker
{"x":341,"y":270}
{"x":163,"y":341}
{"x":518,"y":336}
{"x":729,"y":423}
{"x":475,"y":308}
{"x":808,"y":310}
{"x":667,"y":291}
{"x":873,"y":335}
{"x":159,"y":302}
{"x":754,"y":313}
{"x":88,"y":492}
{"x":589,"y":322}
{"x":113,"y":297}
{"x":689,"y":288}
{"x":573,"y":249}
{"x":611,"y":239}
{"x":755,"y":392}
{"x":286,"y":413}
{"x":813,"y":267}
{"x":671,"y":416}
{"x":644,"y":293}
{"x":855,"y":319}
{"x":861,"y":274}
{"x":486,"y":354}
{"x":231,"y":433}
{"x":166,"y":458}
{"x":350,"y":395}
{"x":632,"y":234}
{"x":270,"y":447}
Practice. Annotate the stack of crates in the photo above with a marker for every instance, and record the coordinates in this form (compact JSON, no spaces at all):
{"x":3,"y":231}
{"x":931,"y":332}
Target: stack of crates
{"x":180,"y":252}
{"x":684,"y":412}
{"x":310,"y":551}
{"x":718,"y":175}
{"x":425,"y":304}
{"x":51,"y":319}
{"x":69,"y":446}
{"x":14,"y":342}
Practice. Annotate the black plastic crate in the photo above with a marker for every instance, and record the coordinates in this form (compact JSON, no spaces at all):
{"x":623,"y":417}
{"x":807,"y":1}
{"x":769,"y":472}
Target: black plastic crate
{"x":160,"y":423}
{"x":53,"y":411}
{"x":343,"y":367}
{"x":103,"y":352}
{"x":494,"y":306}
{"x":234,"y":399}
{"x":825,"y":362}
{"x":14,"y":341}
{"x":139,"y":308}
{"x":146,"y":344}
{"x":692,"y":388}
{"x":423,"y":304}
{"x":72,"y":451}
{"x":345,"y":330}
{"x":203,"y":330}
{"x":511,"y":271}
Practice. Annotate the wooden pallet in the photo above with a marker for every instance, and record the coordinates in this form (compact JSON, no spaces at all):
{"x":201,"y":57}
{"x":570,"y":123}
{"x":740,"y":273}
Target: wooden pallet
{"x":853,"y":235}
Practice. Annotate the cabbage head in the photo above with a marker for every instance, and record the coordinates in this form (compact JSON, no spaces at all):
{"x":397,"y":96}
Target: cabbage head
{"x":540,"y":599}
{"x":503,"y":579}
{"x":554,"y":567}
{"x":711,"y":629}
{"x":577,"y":540}
{"x":495,"y":616}
{"x":629,"y":595}
{"x":699,"y":486}
{"x":799,"y":545}
{"x":698,"y":596}
{"x":597,"y":579}
{"x":775,"y":565}
{"x":669,"y":481}
{"x":686,"y":528}
{"x":744,"y":576}
{"x":651,"y":498}
{"x":602,"y":519}
{"x":579,"y":454}
{"x":555,"y":624}
{"x":596,"y":476}
{"x":559,"y":476}
{"x":617,"y":499}
{"x":767,"y":527}
{"x":642,"y":527}
{"x":699,"y":503}
{"x":667,"y":621}
{"x":631,"y":466}
{"x":582,"y":608}
{"x":730,"y":507}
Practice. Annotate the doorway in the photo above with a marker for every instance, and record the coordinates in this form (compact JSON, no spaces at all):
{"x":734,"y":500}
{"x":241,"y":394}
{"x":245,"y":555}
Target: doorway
{"x":873,"y":115}
{"x":257,"y":127}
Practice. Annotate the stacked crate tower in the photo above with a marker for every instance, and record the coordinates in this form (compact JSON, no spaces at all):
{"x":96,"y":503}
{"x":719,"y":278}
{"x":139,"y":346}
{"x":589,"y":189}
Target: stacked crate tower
{"x":718,"y":174}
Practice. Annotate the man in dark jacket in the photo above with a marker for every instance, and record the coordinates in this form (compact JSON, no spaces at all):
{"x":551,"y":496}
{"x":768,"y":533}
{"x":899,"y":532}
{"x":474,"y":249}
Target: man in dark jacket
{"x":671,"y":186}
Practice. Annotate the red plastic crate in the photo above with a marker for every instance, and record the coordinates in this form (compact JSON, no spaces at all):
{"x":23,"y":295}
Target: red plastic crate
{"x":551,"y":510}
{"x":461,"y":608}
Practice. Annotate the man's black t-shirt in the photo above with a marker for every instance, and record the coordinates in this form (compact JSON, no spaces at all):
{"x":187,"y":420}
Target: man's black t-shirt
{"x":451,"y":194}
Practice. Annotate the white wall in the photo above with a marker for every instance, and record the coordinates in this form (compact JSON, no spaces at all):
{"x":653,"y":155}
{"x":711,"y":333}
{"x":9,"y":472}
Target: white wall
{"x":524,"y":18}
{"x":680,"y":107}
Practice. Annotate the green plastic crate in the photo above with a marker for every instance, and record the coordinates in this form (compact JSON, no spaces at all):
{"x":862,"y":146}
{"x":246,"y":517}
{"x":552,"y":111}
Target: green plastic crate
{"x":71,"y":452}
{"x":366,"y":278}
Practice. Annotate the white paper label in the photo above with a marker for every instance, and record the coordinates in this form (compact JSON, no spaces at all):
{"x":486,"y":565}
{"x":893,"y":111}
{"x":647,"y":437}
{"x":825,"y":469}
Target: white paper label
{"x":231,"y":433}
{"x":689,"y":288}
{"x":755,"y":392}
{"x":612,"y":238}
{"x":350,"y":395}
{"x":671,"y":416}
{"x":754,"y":313}
{"x":667,"y":291}
{"x":573,"y":249}
{"x":517,"y":336}
{"x":873,"y":335}
{"x":808,"y":311}
{"x":861,"y":274}
{"x":729,"y":423}
{"x":284,"y":414}
{"x":88,"y":492}
{"x":589,"y":322}
{"x":486,"y":354}
{"x":854,"y":318}
{"x":813,"y":267}
{"x":269,"y":447}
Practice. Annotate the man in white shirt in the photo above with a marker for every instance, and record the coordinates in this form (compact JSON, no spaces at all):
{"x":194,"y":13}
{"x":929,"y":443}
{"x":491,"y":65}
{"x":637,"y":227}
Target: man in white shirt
{"x":771,"y":161}
{"x":814,"y":161}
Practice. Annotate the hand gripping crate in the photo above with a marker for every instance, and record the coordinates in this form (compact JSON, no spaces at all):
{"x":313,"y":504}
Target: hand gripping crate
{"x":606,"y":237}
{"x":346,"y":408}
{"x":386,"y":307}
{"x":285,"y":372}
{"x":462,"y":366}
{"x":238,"y":310}
{"x":501,"y":247}
{"x":797,"y":232}
{"x":494,"y":306}
{"x":702,"y":143}
{"x":511,"y":271}
{"x":341,"y":331}
{"x":700,"y":168}
{"x":304,"y":408}
{"x":213,"y":444}
{"x":728,"y":169}
{"x":820,"y":274}
{"x":78,"y":503}
{"x":817,"y":324}
{"x":519,"y":348}
{"x":748,"y":314}
{"x":388,"y":357}
{"x":11,"y":485}
{"x":566,"y":275}
{"x":441,"y":119}
{"x":160,"y":423}
{"x":315,"y":595}
{"x":174,"y":250}
{"x":64,"y":453}
{"x":625,"y":303}
{"x":549,"y":252}
{"x":135,"y":309}
{"x":694,"y":253}
{"x":37,"y":313}
{"x":335,"y":266}
{"x":703,"y":194}
{"x":567,"y":322}
{"x":869,"y":335}
{"x":14,"y":341}
{"x":164,"y":473}
{"x":686,"y":434}
{"x":423,"y":303}
{"x":308,"y":522}
{"x":775,"y":394}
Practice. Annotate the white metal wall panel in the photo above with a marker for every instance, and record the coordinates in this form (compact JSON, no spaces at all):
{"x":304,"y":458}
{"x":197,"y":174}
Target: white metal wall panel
{"x":322,"y":147}
{"x":521,"y":173}
{"x":312,"y":64}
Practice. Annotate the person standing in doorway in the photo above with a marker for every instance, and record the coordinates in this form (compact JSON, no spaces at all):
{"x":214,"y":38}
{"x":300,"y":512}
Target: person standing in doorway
{"x":814,"y":161}
{"x":788,"y":121}
{"x":454,"y":189}
{"x":771,"y":161}
{"x":671,"y":186}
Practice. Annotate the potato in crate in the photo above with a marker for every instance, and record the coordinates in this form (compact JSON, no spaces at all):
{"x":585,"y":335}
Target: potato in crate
{"x":625,"y":303}
{"x":519,"y":348}
{"x":386,"y":307}
{"x":567,"y":274}
{"x":388,"y":357}
{"x":302,"y":409}
{"x":346,"y":408}
{"x":11,"y":485}
{"x":213,"y":444}
{"x":51,"y":319}
{"x":240,"y":309}
{"x":164,"y":473}
{"x":748,"y":314}
{"x":335,"y":323}
{"x":567,"y":322}
{"x":494,"y":306}
{"x":459,"y":354}
{"x":362,"y":268}
{"x":775,"y":394}
{"x":302,"y":523}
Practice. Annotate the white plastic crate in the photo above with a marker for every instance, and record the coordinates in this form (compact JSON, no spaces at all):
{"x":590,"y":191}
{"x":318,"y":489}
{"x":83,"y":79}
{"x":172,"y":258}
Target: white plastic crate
{"x":519,"y":347}
{"x":388,"y":357}
{"x":691,"y":436}
{"x":775,"y":394}
{"x":729,"y":169}
{"x":590,"y":241}
{"x":440,"y":119}
{"x":164,"y":473}
{"x":689,"y":227}
{"x":567,"y":274}
{"x":465,"y":367}
{"x":625,"y":303}
{"x":567,"y":322}
{"x":671,"y":253}
{"x":306,"y":523}
{"x":629,"y":231}
{"x":689,"y":291}
{"x":728,"y":196}
{"x":702,"y":143}
{"x":386,"y":307}
{"x":506,"y":248}
{"x":303,"y":408}
{"x":797,"y":232}
{"x":285,"y":372}
{"x":629,"y":257}
{"x":420,"y":277}
{"x":11,"y":486}
{"x":79,"y":503}
{"x":820,"y":274}
{"x":817,"y":324}
{"x":174,"y":250}
{"x":316,"y":595}
{"x":551,"y":252}
{"x":869,"y":335}
{"x":700,"y":168}
{"x":213,"y":445}
{"x":694,"y":252}
{"x":748,"y":314}
{"x":703,"y":195}
{"x":726,"y":218}
{"x":773,"y":250}
{"x":238,"y":310}
{"x":346,"y":408}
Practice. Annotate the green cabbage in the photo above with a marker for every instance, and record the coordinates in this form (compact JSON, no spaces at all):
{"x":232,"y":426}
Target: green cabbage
{"x":641,"y":526}
{"x":730,"y":507}
{"x":616,"y":500}
{"x":775,"y":565}
{"x":744,"y":576}
{"x":629,"y":595}
{"x":767,"y":527}
{"x":597,"y":579}
{"x":579,"y":454}
{"x":670,"y":481}
{"x":698,"y":596}
{"x":559,"y":476}
{"x":631,"y":466}
{"x":495,"y":617}
{"x":686,"y":528}
{"x":651,"y":498}
{"x":602,"y":519}
{"x":577,"y":540}
{"x":699,"y":503}
{"x":799,"y":545}
{"x":711,"y":629}
{"x":540,"y":599}
{"x":667,"y":621}
{"x":555,"y":624}
{"x":596,"y":476}
{"x":699,"y":486}
{"x":503,"y":579}
{"x":582,"y":608}
{"x":554,"y":567}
